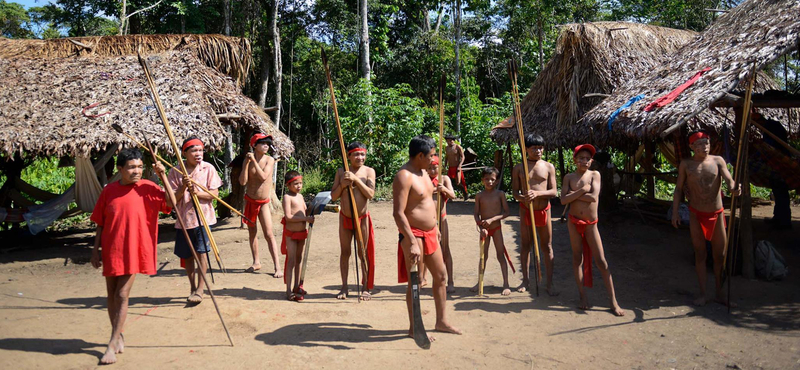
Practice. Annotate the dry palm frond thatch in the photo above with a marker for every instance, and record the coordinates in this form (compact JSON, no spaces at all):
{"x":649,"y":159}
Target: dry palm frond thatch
{"x":589,"y":58}
{"x":57,"y":104}
{"x":757,"y":31}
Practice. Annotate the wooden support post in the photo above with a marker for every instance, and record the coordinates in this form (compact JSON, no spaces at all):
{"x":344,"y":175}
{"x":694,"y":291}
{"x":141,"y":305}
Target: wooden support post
{"x":561,"y":170}
{"x":498,"y":163}
{"x":649,"y":152}
{"x":746,"y":223}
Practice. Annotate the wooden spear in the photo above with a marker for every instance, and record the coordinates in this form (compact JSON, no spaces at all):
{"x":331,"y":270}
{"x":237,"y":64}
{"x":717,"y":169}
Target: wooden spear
{"x":360,"y":251}
{"x":174,"y":200}
{"x":512,"y":73}
{"x":118,"y":128}
{"x":442,"y":82}
{"x":738,"y":172}
{"x":177,"y":149}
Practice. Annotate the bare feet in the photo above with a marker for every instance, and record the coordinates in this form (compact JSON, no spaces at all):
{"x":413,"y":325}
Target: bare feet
{"x":411,"y":335}
{"x":724,"y":302}
{"x":584,"y":304}
{"x":110,"y":356}
{"x":474,"y":289}
{"x":551,"y":291}
{"x":506,"y":291}
{"x":278,"y":273}
{"x":447,"y":328}
{"x":342,"y":294}
{"x":365,"y":296}
{"x":121,"y":344}
{"x":451,"y":288}
{"x":700,"y":301}
{"x":423,"y":283}
{"x":255,"y":267}
{"x":522,"y":288}
{"x":616,"y":310}
{"x":194,"y":298}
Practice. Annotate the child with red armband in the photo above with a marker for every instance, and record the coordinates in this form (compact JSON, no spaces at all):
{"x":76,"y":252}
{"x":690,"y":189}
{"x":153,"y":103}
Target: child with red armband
{"x":581,"y":190}
{"x":703,"y":175}
{"x":491,"y":207}
{"x":294,"y":234}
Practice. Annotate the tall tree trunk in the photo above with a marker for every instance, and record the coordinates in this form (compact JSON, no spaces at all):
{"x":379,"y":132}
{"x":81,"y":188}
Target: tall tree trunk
{"x":122,"y":17}
{"x":426,"y":20}
{"x":277,"y":65}
{"x":364,"y":43}
{"x":226,"y":27}
{"x":265,"y":55}
{"x":540,"y":37}
{"x":439,"y":18}
{"x":457,"y":13}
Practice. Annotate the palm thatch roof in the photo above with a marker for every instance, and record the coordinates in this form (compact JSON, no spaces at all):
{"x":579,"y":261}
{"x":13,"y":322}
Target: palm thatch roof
{"x":757,"y":31}
{"x":590,"y":58}
{"x":60,"y":98}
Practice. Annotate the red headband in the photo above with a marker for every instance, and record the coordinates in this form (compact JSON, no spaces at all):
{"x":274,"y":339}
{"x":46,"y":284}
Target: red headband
{"x":191,"y":143}
{"x":588,"y":147}
{"x":298,"y":177}
{"x":435,"y":160}
{"x":697,"y":136}
{"x":356,"y":150}
{"x":257,"y":137}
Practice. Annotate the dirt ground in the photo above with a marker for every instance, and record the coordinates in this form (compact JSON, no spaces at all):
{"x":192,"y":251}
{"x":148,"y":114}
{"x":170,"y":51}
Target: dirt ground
{"x":53,"y":307}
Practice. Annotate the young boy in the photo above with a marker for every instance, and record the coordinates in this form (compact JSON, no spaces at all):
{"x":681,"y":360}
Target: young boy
{"x":491,"y":208}
{"x":204,"y":174}
{"x":445,"y":190}
{"x":581,"y":190}
{"x":294,"y":234}
{"x":542,"y":182}
{"x":362,"y":179}
{"x":126,"y":215}
{"x":415,"y":216}
{"x":454,"y":155}
{"x":257,"y":176}
{"x":703,"y":175}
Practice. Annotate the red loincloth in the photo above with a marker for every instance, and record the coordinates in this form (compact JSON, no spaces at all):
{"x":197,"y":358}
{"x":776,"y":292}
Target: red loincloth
{"x":580,"y":227}
{"x":451,"y":173}
{"x":708,"y":221}
{"x":252,"y":208}
{"x":430,"y":243}
{"x":347,"y":222}
{"x":540,"y":216}
{"x":294,"y":235}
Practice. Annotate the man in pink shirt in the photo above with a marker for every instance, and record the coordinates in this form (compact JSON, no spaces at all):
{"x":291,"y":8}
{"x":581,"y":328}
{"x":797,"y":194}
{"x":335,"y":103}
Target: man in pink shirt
{"x":204,"y":174}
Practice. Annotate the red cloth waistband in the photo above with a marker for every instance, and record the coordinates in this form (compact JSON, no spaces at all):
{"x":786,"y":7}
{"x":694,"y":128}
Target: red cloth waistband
{"x":430,"y":243}
{"x":294,"y":235}
{"x":580,"y":227}
{"x":347,"y":223}
{"x":252,"y":207}
{"x":708,"y":221}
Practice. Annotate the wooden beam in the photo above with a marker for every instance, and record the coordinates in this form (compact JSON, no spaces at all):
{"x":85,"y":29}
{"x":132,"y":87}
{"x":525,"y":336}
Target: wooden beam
{"x":228,"y":116}
{"x":596,"y":95}
{"x":87,"y":47}
{"x":271,"y":109}
{"x":774,"y":137}
{"x":759,"y":101}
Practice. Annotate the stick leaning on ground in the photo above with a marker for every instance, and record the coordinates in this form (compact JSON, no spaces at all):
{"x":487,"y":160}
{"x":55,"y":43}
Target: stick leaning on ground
{"x":512,"y":73}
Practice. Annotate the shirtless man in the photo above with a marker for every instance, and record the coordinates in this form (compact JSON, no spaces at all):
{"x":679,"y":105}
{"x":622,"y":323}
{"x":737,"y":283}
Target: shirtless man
{"x":257,"y":176}
{"x":490,"y":209}
{"x":415,"y":215}
{"x":294,"y":234}
{"x":581,"y":189}
{"x":454,"y":155}
{"x":703,"y":175}
{"x":542,"y":181}
{"x":362,"y":179}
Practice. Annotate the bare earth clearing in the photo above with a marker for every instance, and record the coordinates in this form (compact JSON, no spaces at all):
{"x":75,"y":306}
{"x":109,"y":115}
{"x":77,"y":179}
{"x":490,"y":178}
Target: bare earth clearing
{"x":53,"y":307}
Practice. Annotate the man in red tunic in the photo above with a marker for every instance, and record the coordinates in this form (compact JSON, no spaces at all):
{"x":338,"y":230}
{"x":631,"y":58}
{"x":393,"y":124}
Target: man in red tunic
{"x":126,"y":215}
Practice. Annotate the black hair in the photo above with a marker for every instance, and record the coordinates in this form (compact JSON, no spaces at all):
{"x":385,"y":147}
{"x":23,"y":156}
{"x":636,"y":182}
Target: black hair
{"x":187,"y":140}
{"x":128,"y":154}
{"x":420,"y":144}
{"x":267,"y":140}
{"x":355,"y":145}
{"x":450,"y":137}
{"x":489,"y":171}
{"x":290,"y":175}
{"x":533,"y":140}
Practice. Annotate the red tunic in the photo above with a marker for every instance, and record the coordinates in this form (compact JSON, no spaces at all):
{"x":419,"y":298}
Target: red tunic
{"x":128,"y":215}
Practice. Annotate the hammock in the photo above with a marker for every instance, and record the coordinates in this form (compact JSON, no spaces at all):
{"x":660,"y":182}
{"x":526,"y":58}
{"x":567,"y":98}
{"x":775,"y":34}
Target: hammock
{"x":765,"y":163}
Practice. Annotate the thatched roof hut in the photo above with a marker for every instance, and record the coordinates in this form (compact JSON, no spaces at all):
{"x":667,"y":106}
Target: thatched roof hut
{"x":590,"y":58}
{"x":757,"y":31}
{"x":60,"y":97}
